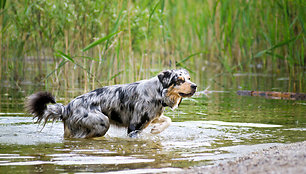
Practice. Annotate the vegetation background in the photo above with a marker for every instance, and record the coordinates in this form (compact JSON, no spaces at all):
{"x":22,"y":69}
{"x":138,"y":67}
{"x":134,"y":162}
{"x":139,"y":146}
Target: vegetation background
{"x":86,"y":44}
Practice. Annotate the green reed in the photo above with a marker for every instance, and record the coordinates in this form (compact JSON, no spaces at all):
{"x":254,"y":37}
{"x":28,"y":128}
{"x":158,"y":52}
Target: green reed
{"x":105,"y":42}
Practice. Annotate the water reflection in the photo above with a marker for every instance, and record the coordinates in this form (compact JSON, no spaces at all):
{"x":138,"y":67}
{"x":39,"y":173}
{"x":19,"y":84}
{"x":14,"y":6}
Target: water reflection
{"x":219,"y":126}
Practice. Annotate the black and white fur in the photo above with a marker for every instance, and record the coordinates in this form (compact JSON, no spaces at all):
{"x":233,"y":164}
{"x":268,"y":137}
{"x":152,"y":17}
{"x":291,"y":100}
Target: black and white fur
{"x":133,"y":105}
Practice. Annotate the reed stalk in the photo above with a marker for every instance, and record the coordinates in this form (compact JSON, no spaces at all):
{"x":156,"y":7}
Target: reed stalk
{"x":122,"y":41}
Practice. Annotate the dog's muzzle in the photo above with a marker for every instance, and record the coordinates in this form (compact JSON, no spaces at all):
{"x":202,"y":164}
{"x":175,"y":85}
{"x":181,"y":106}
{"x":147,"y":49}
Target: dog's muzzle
{"x":193,"y":90}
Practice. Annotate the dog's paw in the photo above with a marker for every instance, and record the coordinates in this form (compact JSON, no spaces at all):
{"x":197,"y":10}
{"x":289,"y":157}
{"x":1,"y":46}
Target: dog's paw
{"x":134,"y":134}
{"x":156,"y":129}
{"x":164,"y":122}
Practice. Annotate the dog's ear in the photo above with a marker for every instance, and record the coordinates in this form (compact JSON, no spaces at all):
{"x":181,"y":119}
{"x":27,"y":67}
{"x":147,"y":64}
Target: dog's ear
{"x":165,"y":78}
{"x":165,"y":74}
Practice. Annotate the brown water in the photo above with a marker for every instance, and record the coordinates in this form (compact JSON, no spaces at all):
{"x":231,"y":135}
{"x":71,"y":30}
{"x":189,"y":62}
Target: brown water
{"x":206,"y":129}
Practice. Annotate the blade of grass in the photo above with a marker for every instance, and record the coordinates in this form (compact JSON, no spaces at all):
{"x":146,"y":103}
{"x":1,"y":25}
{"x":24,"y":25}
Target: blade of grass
{"x":187,"y":58}
{"x":151,"y":14}
{"x":64,"y":56}
{"x":99,"y":41}
{"x":63,"y":62}
{"x":119,"y":20}
{"x":117,"y":24}
{"x":114,"y":76}
{"x":68,"y":58}
{"x":2,"y":4}
{"x":260,"y":53}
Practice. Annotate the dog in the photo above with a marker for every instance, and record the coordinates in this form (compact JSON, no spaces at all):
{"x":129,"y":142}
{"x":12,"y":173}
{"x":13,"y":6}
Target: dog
{"x":133,"y":106}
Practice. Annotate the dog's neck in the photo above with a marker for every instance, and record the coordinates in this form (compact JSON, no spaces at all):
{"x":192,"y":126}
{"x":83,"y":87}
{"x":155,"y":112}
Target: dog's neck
{"x":167,"y":97}
{"x":170,"y":99}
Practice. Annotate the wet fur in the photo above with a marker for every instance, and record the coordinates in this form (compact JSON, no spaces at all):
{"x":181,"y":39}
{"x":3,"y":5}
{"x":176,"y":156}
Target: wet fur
{"x":132,"y":105}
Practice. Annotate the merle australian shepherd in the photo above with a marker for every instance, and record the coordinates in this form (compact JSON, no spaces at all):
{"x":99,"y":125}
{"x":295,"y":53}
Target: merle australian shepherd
{"x":133,"y":106}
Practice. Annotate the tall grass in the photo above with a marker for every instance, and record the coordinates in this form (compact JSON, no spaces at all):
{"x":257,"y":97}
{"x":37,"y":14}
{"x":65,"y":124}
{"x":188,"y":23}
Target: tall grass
{"x":105,"y":42}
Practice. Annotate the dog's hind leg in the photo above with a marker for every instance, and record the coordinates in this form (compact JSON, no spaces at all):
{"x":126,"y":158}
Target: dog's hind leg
{"x":97,"y":123}
{"x":162,"y":123}
{"x":92,"y":124}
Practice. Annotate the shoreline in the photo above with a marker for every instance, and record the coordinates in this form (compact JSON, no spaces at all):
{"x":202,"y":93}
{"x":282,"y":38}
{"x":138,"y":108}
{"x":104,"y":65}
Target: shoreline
{"x":284,"y":158}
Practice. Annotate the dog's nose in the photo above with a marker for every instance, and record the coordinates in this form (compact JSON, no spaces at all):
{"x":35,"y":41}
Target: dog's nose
{"x":194,"y":86}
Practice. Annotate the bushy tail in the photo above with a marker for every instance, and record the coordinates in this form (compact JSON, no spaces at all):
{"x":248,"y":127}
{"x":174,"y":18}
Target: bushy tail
{"x":36,"y":104}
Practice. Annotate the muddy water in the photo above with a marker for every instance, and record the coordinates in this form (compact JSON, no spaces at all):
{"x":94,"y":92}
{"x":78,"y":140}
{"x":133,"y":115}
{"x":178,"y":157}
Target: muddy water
{"x":205,"y":130}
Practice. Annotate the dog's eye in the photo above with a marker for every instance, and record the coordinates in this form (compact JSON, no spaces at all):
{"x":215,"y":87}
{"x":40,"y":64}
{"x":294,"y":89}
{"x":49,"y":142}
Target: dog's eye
{"x":189,"y":78}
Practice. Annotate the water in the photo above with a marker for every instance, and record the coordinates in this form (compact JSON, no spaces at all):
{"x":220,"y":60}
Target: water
{"x":206,"y":129}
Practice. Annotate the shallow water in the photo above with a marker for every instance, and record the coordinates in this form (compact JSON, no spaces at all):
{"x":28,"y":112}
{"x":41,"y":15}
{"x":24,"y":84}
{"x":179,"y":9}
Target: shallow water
{"x":206,"y":129}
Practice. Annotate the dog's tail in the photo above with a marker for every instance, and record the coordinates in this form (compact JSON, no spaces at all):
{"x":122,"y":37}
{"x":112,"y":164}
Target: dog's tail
{"x":36,"y":104}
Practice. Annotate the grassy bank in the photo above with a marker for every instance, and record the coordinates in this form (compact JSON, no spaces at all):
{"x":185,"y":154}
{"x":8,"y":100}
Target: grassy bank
{"x":44,"y":40}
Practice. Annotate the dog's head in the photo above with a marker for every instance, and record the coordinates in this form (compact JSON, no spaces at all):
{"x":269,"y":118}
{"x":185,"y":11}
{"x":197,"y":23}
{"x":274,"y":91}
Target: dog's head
{"x":177,"y":83}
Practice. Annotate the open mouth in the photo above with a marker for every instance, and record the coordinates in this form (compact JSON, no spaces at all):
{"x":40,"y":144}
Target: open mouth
{"x":186,"y":95}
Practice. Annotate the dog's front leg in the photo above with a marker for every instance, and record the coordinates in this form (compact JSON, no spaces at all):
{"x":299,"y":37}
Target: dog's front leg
{"x":133,"y":131}
{"x":162,"y":123}
{"x":138,"y":124}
